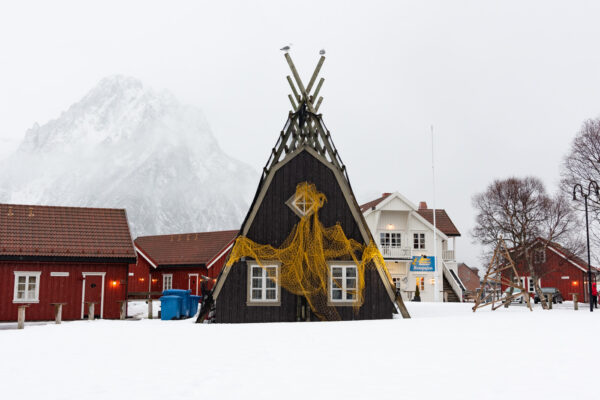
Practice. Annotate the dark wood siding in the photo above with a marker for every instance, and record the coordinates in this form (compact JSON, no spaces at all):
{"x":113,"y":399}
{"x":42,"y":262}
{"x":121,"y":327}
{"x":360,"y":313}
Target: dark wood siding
{"x":274,"y":222}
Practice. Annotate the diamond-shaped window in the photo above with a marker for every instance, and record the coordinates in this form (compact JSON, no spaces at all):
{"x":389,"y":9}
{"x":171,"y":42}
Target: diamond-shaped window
{"x":301,"y":205}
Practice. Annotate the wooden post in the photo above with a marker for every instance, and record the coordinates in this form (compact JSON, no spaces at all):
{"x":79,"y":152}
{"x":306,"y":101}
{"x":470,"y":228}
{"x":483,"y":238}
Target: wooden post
{"x":575,"y":303}
{"x":150,"y":309}
{"x":549,"y":297}
{"x":123,"y":308}
{"x":90,"y":311}
{"x":21,"y":316}
{"x":57,"y":312}
{"x":445,"y":297}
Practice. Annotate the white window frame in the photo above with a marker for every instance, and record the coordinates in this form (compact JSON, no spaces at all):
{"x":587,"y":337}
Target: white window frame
{"x":422,"y":241}
{"x":388,"y":241}
{"x":263,"y":278}
{"x":170,"y":277}
{"x":530,"y":285}
{"x":27,"y":274}
{"x":344,"y":289}
{"x":298,"y":204}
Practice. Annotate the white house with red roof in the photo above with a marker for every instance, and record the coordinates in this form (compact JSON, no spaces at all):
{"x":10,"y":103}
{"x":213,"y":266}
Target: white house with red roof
{"x":405,"y":236}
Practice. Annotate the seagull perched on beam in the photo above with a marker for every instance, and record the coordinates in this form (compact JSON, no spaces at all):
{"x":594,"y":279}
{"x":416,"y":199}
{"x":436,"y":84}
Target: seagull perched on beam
{"x":322,"y":52}
{"x":286,"y":48}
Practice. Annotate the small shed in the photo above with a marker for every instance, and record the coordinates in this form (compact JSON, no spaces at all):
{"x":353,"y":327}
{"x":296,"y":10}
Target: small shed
{"x":178,"y":261}
{"x":69,"y":255}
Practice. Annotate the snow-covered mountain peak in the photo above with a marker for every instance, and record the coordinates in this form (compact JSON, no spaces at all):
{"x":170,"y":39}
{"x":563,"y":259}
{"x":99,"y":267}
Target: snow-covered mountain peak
{"x":127,"y":145}
{"x":118,"y":108}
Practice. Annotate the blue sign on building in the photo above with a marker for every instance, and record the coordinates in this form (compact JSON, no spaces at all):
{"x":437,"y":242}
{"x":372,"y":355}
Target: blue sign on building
{"x":422,"y":264}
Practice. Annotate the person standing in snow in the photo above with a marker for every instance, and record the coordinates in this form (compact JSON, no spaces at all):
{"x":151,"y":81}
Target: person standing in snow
{"x":594,"y":294}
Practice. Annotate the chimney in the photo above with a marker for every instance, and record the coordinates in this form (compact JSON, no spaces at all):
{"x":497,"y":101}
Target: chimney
{"x":422,"y":205}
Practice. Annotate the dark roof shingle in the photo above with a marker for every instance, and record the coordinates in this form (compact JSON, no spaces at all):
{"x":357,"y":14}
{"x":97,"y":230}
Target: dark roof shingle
{"x":184,"y":249}
{"x":50,"y":231}
{"x":442,"y":221}
{"x":373,"y":203}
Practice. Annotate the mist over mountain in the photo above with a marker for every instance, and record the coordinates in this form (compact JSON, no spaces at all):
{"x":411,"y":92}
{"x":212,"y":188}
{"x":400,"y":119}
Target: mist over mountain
{"x":127,"y":146}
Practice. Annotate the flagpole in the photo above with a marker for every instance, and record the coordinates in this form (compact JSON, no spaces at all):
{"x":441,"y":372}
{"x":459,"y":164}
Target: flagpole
{"x":436,"y":294}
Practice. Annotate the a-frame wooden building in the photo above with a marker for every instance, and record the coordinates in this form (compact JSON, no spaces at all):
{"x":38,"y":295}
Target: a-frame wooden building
{"x":304,"y":251}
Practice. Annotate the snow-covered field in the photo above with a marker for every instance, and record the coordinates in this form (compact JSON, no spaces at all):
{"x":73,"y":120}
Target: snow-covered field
{"x":445,"y":352}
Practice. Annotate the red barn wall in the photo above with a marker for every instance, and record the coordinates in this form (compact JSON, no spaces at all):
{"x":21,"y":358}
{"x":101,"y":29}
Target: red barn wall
{"x":54,"y":289}
{"x":142,"y":274}
{"x":216,"y":267}
{"x":559,"y":267}
{"x":139,"y":278}
{"x":181,"y":277}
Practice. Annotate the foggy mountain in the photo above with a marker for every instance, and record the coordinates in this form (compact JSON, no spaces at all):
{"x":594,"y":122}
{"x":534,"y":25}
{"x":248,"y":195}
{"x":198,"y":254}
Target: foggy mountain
{"x":127,"y":146}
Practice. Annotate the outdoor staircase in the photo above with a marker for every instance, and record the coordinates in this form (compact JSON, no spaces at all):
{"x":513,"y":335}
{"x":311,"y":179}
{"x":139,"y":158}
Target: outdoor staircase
{"x":452,"y":297}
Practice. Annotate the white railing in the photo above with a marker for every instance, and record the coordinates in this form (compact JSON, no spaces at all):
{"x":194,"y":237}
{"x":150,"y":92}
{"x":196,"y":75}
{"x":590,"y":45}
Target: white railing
{"x":448,"y":255}
{"x":455,"y":282}
{"x":396,"y":252}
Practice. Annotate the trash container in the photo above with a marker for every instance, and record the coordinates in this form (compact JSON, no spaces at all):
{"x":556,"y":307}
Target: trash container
{"x":185,"y":300}
{"x":194,"y":300}
{"x":170,"y":307}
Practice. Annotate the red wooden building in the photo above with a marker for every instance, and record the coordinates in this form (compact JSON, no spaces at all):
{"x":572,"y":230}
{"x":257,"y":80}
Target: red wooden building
{"x":64,"y":255}
{"x":560,"y":269}
{"x":178,"y":261}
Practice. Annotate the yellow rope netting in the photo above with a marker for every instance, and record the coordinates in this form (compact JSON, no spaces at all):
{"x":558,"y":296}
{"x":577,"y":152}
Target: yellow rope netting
{"x":303,"y":257}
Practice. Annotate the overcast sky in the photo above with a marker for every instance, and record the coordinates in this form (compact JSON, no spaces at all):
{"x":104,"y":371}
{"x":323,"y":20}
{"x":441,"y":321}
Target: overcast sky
{"x":505,"y":84}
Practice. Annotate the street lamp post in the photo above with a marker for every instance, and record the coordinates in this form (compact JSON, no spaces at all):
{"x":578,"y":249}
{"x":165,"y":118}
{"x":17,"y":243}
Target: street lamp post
{"x":592,"y":185}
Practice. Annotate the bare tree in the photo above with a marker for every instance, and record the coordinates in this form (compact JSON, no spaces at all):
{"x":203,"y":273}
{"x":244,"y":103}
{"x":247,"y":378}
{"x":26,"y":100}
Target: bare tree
{"x":581,"y":166}
{"x":520,"y":211}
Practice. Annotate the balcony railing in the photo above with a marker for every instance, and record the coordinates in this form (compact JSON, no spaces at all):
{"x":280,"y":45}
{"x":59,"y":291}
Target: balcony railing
{"x":396,"y":252}
{"x":448,"y":255}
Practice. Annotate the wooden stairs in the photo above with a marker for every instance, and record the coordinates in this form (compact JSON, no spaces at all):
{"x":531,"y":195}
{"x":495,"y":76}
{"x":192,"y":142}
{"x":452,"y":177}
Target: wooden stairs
{"x":449,"y":292}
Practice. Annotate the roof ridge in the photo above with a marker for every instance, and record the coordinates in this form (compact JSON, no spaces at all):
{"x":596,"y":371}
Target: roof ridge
{"x":64,"y":207}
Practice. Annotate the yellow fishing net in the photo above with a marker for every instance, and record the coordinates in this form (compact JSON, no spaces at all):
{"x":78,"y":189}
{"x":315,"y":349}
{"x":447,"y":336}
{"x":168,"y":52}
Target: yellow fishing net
{"x":304,"y":256}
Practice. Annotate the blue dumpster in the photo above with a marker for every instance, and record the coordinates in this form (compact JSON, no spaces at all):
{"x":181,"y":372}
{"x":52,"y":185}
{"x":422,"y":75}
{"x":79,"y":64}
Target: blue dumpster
{"x":194,"y":300}
{"x":170,"y":307}
{"x":185,"y":300}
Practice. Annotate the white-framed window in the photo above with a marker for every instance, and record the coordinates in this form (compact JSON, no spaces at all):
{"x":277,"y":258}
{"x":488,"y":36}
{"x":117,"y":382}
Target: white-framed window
{"x":167,"y":281}
{"x":539,"y":256}
{"x":27,"y":287}
{"x":343,"y":283}
{"x":390,"y":239}
{"x":263,"y":283}
{"x":530,"y":285}
{"x":418,"y":241}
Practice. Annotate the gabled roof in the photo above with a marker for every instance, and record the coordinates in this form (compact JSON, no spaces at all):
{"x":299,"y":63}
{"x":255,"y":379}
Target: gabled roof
{"x":305,"y":131}
{"x":568,"y":255}
{"x":442,"y":221}
{"x":184,"y":249}
{"x":373,"y":203}
{"x":59,"y":232}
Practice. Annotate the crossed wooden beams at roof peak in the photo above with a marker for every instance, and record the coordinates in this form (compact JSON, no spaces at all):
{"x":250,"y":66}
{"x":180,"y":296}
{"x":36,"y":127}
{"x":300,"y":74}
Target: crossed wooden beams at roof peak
{"x":303,"y":94}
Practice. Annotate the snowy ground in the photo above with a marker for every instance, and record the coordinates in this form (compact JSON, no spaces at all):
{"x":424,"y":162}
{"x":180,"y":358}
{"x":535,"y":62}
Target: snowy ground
{"x":446,"y":351}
